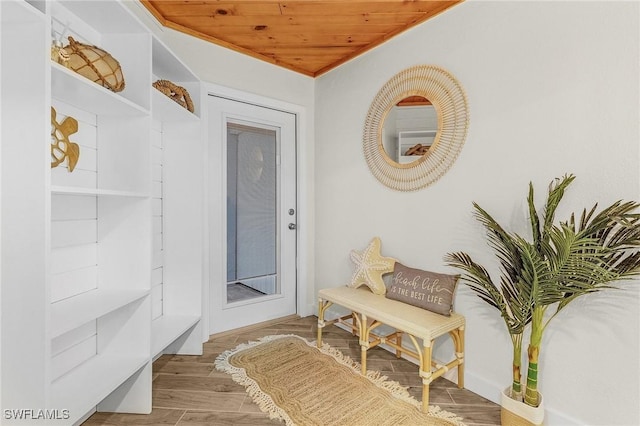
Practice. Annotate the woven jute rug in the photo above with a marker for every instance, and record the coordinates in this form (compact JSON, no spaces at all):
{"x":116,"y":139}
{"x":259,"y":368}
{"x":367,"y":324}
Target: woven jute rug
{"x":293,"y":380}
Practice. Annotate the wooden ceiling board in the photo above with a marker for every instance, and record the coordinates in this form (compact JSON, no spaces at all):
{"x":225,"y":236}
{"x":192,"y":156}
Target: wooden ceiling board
{"x":279,"y":22}
{"x":346,"y":7}
{"x":301,"y":38}
{"x":170,"y":9}
{"x":306,"y":36}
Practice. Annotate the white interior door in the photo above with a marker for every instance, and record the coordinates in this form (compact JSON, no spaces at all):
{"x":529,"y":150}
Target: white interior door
{"x":252,"y":165}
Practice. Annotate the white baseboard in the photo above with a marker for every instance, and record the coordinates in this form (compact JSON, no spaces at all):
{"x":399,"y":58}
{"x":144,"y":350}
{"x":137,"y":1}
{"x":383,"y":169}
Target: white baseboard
{"x":482,"y":387}
{"x":492,"y":391}
{"x":309,"y":309}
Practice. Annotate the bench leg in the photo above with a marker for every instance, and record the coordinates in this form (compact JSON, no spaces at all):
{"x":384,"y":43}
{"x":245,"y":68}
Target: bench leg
{"x":425,"y":373}
{"x":457,"y":336}
{"x":399,"y":343}
{"x":322,"y":308}
{"x":363,"y":332}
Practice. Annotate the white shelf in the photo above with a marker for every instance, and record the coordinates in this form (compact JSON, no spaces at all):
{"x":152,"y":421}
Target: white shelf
{"x":73,"y":190}
{"x":167,"y":66}
{"x":91,"y":382}
{"x":74,"y":89}
{"x":70,"y":313}
{"x":166,"y":110}
{"x":418,"y":133}
{"x":167,"y":328}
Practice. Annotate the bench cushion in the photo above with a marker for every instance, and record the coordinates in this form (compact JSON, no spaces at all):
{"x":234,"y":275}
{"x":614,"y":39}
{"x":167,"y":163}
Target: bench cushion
{"x":411,"y":319}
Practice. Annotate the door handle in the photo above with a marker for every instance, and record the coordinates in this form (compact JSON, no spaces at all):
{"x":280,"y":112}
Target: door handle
{"x":292,"y":226}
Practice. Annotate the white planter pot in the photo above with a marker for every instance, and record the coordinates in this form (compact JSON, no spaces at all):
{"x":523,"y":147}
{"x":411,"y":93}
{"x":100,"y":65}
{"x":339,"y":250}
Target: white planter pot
{"x":517,"y":413}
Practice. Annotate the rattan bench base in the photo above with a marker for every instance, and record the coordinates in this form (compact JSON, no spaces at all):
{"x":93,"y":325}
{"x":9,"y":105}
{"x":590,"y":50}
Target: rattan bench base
{"x":369,"y":311}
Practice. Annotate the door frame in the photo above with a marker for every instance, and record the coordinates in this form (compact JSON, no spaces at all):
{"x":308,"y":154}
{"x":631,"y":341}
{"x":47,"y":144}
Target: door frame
{"x":214,"y":253}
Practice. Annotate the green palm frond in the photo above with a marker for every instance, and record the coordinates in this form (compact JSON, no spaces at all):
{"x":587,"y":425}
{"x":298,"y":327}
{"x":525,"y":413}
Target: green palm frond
{"x":518,"y":298}
{"x":533,"y":216}
{"x":535,"y":271}
{"x":619,"y":210}
{"x":555,"y":194}
{"x":626,"y":263}
{"x":501,"y":242}
{"x":617,"y":228}
{"x":475,"y":276}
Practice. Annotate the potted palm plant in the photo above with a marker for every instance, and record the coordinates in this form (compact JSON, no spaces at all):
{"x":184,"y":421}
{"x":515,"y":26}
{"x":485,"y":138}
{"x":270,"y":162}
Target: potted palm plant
{"x":541,"y":275}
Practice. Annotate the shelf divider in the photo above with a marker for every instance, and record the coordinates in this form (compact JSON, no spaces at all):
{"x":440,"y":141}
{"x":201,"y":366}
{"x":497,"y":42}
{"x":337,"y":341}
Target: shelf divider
{"x":70,"y":313}
{"x":167,"y":328}
{"x":77,"y":190}
{"x":74,"y":89}
{"x":93,"y":381}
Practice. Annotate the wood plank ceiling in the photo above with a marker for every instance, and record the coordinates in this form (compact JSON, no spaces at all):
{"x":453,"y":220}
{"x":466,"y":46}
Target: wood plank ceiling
{"x":307,"y":36}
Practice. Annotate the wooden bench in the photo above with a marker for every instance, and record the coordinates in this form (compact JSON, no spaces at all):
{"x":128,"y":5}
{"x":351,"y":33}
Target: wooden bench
{"x":369,"y":311}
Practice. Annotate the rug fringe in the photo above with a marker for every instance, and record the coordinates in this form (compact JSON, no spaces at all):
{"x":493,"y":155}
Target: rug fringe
{"x":268,"y":406}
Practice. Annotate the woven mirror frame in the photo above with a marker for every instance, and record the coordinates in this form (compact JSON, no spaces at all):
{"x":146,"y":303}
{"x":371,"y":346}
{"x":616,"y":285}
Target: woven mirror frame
{"x":450,"y":102}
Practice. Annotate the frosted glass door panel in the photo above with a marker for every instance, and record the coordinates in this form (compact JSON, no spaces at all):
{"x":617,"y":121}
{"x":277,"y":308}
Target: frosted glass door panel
{"x":252,"y":207}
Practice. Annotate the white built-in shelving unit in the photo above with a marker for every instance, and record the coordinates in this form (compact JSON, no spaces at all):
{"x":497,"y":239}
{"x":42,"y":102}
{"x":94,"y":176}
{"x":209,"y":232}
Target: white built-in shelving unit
{"x":180,"y":174}
{"x":101,"y":267}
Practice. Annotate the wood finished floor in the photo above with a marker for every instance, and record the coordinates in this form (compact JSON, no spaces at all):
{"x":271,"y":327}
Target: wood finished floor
{"x":188,"y":391}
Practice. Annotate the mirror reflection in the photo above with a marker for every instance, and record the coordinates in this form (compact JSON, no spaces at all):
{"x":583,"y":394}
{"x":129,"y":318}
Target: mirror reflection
{"x":409,"y":129}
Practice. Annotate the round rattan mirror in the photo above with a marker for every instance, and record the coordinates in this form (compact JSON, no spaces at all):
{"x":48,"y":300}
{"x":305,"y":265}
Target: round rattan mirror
{"x":443,"y":91}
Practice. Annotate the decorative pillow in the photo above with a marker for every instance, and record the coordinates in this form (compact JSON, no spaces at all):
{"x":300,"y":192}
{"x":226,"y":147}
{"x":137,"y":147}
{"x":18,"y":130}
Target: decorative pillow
{"x":370,"y":267}
{"x":428,"y":290}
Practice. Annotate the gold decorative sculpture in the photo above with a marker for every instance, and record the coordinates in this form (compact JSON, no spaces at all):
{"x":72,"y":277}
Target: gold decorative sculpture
{"x":175,"y":93}
{"x":96,"y":64}
{"x":417,"y":149}
{"x":59,"y":54}
{"x":61,"y":146}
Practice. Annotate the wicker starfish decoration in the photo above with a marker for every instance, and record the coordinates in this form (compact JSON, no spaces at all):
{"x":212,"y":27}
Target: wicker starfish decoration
{"x":370,"y":267}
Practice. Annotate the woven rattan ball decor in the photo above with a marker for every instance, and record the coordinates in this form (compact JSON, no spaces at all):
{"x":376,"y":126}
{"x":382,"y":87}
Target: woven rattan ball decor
{"x":95,"y":64}
{"x":450,"y":102}
{"x":174,"y":92}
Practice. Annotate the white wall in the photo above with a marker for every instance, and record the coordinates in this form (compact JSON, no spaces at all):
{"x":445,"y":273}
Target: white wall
{"x":552,"y":88}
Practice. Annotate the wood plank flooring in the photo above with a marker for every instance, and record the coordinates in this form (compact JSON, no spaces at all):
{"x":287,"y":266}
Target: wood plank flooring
{"x":188,"y":391}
